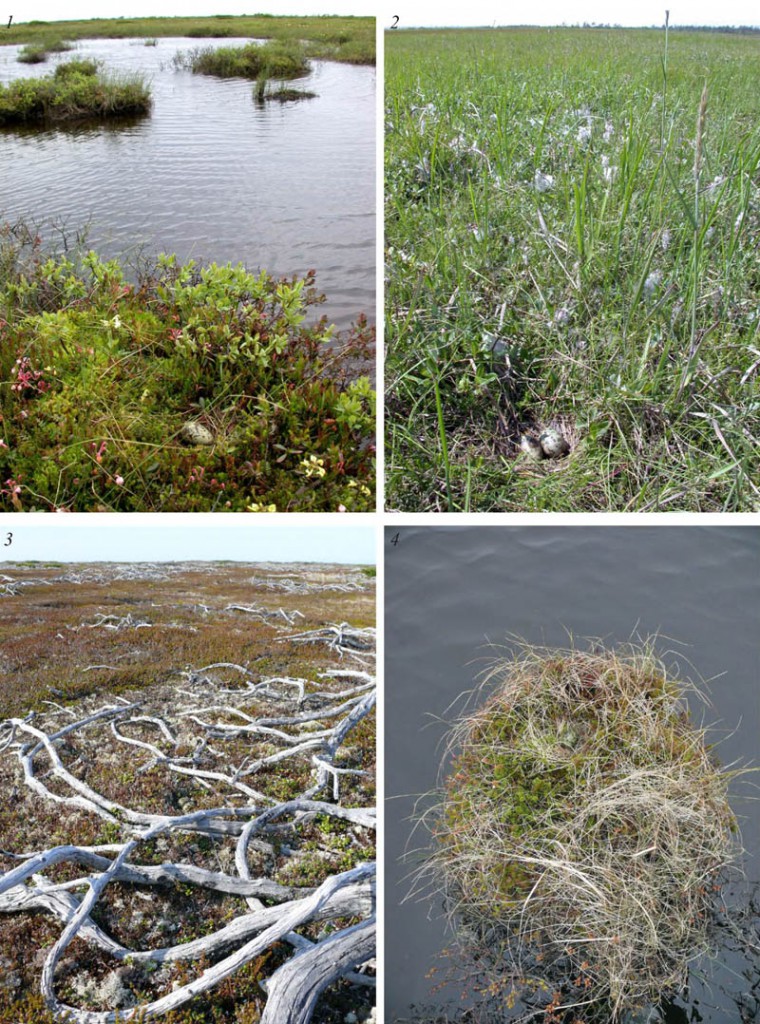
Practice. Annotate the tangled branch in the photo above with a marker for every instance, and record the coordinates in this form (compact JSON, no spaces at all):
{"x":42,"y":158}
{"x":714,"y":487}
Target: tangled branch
{"x":230,"y":744}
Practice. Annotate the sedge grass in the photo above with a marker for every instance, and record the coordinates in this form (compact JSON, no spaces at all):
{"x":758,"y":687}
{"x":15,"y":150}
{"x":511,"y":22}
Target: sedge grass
{"x":541,"y":193}
{"x":582,"y":832}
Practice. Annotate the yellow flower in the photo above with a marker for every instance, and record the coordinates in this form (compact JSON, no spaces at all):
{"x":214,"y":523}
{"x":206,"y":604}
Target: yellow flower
{"x":255,"y":507}
{"x":313,"y":466}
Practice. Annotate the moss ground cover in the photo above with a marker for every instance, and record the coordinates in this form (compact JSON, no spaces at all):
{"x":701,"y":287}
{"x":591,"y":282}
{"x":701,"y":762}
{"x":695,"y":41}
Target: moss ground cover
{"x":348,"y":39}
{"x":571,"y":243}
{"x":186,"y":621}
{"x":582,"y":832}
{"x":76,"y":91}
{"x":192,"y":389}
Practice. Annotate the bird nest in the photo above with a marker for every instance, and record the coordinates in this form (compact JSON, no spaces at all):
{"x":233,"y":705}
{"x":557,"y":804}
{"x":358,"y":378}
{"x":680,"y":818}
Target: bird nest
{"x":581,"y":832}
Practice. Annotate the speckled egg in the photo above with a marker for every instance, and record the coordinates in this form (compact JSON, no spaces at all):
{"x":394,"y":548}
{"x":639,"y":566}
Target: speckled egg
{"x":553,"y":444}
{"x":195,"y":433}
{"x":531,"y":447}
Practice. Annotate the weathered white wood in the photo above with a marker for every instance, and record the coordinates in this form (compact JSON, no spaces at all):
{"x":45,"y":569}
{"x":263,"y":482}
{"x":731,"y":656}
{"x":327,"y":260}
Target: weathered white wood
{"x":293,"y":989}
{"x":297,"y":915}
{"x":350,"y":895}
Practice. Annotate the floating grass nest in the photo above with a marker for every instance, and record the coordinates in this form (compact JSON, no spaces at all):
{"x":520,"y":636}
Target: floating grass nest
{"x":582,"y":832}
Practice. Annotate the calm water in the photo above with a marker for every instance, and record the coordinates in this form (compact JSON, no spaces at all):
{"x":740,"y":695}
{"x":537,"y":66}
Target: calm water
{"x":449,"y":590}
{"x":210,"y":173}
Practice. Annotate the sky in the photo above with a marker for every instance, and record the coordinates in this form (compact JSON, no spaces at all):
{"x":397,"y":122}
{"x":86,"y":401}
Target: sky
{"x":573,"y":12}
{"x":117,"y":541}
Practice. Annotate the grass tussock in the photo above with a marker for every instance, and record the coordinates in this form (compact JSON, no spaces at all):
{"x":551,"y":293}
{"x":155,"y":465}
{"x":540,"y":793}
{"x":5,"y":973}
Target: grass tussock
{"x":572,"y":222}
{"x":38,"y":52}
{"x":198,"y":388}
{"x":75,"y":92}
{"x":582,"y":831}
{"x":270,"y":60}
{"x":350,"y":40}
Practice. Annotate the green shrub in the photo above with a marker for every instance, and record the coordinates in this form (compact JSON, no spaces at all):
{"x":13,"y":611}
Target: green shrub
{"x":99,"y":380}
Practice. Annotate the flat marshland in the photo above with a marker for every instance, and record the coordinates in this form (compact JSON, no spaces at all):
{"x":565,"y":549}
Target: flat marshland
{"x":572,"y":221}
{"x":348,"y":39}
{"x":189,"y":747}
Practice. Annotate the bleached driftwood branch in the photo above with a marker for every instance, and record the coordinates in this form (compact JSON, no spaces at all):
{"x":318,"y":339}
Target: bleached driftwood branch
{"x":306,"y":724}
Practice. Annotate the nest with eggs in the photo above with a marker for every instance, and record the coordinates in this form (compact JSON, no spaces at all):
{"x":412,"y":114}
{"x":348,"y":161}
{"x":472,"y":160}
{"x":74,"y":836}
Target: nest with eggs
{"x":581,"y":832}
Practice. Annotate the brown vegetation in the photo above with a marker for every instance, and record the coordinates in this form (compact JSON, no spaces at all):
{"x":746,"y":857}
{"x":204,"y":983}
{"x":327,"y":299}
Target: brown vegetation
{"x":139,"y":645}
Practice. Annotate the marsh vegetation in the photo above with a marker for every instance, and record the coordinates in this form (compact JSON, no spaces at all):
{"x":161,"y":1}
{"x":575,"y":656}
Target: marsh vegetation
{"x":268,"y":60}
{"x":193,"y":389}
{"x":76,"y":91}
{"x":572,"y":219}
{"x":347,"y":39}
{"x":582,"y":836}
{"x":38,"y":52}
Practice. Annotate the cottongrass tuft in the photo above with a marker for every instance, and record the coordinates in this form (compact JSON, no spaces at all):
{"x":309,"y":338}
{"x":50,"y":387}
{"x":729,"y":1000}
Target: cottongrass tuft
{"x":582,"y":832}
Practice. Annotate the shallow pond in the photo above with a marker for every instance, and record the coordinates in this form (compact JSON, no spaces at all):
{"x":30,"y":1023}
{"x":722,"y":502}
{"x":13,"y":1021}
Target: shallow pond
{"x":211,"y":174}
{"x":450,"y":589}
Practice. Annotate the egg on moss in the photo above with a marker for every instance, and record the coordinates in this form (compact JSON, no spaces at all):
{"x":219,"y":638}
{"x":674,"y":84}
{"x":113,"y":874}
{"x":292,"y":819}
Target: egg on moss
{"x":195,"y":433}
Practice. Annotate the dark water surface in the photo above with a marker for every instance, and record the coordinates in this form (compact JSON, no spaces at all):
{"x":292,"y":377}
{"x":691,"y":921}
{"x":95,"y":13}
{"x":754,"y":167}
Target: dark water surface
{"x":449,"y":590}
{"x":211,"y":174}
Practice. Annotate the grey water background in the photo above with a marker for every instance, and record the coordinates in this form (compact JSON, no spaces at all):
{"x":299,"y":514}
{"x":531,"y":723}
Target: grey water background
{"x":210,"y":174}
{"x":449,"y":590}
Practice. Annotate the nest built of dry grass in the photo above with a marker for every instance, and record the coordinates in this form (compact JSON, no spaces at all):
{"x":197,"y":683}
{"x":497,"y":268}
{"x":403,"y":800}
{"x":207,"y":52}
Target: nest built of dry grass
{"x":582,"y":831}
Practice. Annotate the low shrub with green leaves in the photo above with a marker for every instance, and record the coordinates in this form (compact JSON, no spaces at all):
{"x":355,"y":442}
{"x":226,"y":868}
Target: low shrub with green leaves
{"x":196,"y":389}
{"x":74,"y":92}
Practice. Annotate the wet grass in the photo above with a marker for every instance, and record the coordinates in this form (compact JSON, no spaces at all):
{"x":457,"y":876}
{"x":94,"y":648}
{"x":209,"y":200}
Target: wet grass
{"x":197,"y":388}
{"x":571,"y":239}
{"x":74,"y":92}
{"x":346,"y":39}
